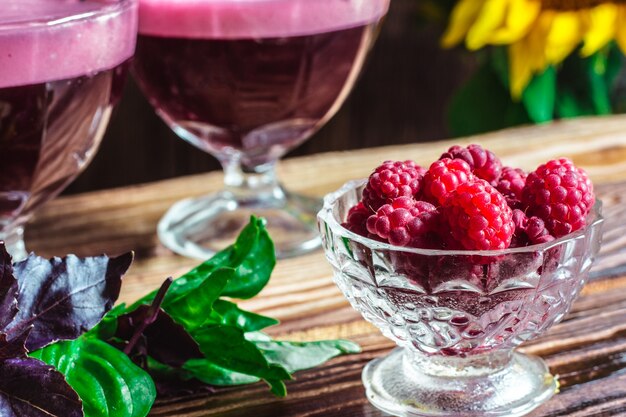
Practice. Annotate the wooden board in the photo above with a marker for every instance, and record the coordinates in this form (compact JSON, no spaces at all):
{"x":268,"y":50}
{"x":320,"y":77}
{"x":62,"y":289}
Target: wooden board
{"x":588,"y":349}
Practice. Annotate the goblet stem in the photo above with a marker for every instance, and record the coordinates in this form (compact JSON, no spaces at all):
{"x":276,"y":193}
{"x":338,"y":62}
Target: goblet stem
{"x":13,"y":239}
{"x":258,"y":183}
{"x":200,"y":227}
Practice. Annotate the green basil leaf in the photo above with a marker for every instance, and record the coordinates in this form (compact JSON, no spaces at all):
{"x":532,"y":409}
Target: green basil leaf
{"x":192,"y":309}
{"x":252,"y":256}
{"x":227,"y":347}
{"x":209,"y":373}
{"x":256,"y":266}
{"x":107,"y":381}
{"x":298,"y":356}
{"x":230,"y":314}
{"x":202,"y":370}
{"x":106,"y":329}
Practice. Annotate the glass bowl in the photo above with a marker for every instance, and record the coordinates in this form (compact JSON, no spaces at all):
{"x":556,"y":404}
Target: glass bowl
{"x":456,"y":316}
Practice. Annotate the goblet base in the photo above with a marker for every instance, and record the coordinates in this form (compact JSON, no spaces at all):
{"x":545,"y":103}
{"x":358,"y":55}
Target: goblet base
{"x":200,"y":227}
{"x":503,"y":384}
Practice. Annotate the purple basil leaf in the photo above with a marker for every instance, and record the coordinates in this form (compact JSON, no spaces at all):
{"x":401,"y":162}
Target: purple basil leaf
{"x":149,"y":316}
{"x":14,"y":348}
{"x":165,"y":340}
{"x":8,"y":289}
{"x":63,"y":298}
{"x":150,"y":331}
{"x":30,"y":388}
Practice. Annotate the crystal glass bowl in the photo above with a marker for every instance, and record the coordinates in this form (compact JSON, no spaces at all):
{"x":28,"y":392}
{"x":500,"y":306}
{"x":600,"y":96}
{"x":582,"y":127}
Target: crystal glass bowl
{"x":456,"y":315}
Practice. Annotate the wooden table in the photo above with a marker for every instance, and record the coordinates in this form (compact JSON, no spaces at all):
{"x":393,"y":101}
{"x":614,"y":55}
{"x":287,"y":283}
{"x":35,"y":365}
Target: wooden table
{"x":587,"y":350}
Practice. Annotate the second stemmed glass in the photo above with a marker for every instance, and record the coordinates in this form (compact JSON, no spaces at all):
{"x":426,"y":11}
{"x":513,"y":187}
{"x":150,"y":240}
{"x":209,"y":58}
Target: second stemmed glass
{"x":247,"y":81}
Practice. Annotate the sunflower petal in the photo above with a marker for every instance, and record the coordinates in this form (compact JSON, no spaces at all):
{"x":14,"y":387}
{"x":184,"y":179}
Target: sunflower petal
{"x":537,"y":41}
{"x":602,"y":28}
{"x":520,"y":69}
{"x":461,"y":19}
{"x":521,"y":15}
{"x":564,"y":36}
{"x":491,"y":17}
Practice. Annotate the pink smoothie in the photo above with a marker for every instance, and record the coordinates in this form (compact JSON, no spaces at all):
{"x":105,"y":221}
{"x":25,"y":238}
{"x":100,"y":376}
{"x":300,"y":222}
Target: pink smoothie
{"x":48,"y":40}
{"x":236,"y":19}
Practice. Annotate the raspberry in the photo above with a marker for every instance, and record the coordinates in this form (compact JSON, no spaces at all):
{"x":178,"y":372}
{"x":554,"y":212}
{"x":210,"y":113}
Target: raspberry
{"x":479,"y":217}
{"x":529,"y":231}
{"x":484,"y":163}
{"x":537,"y":231}
{"x":357,"y":217}
{"x":560,"y":194}
{"x":443,"y":177}
{"x":403,"y":221}
{"x":510,"y":184}
{"x":391,"y":180}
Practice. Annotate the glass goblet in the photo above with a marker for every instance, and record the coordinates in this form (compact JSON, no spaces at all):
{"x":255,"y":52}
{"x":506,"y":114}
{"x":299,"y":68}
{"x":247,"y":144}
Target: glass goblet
{"x":62,"y":68}
{"x":457,"y":316}
{"x":247,"y":81}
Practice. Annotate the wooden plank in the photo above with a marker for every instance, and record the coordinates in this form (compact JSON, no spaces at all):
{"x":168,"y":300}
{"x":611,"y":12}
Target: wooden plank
{"x":588,"y":349}
{"x":584,"y":363}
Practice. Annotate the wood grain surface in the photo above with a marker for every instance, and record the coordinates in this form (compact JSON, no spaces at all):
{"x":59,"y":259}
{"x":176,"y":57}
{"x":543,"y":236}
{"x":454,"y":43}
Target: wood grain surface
{"x":587,"y":350}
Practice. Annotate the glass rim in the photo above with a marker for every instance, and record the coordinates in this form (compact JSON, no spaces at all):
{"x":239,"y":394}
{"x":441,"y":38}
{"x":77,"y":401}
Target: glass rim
{"x":107,"y":9}
{"x":326,"y":214}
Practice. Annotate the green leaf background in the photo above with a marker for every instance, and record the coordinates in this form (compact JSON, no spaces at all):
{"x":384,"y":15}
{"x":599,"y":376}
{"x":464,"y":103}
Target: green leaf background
{"x":577,"y":87}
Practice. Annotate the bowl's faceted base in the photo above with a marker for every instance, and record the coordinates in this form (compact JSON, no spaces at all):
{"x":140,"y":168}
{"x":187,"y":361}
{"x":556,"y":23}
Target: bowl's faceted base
{"x":200,"y":227}
{"x":396,"y":385}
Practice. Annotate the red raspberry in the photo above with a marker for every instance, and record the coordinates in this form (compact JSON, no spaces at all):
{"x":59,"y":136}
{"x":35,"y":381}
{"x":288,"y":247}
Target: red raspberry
{"x":537,"y":231}
{"x":529,"y":231}
{"x":391,"y":180}
{"x":510,"y":184}
{"x":403,"y":221}
{"x":484,"y":163}
{"x":357,"y":217}
{"x":479,"y":217}
{"x":560,"y":194}
{"x":443,"y":177}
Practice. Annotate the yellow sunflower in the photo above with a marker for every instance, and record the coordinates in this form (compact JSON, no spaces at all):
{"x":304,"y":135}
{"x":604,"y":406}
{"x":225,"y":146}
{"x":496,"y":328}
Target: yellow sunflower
{"x":538,"y":33}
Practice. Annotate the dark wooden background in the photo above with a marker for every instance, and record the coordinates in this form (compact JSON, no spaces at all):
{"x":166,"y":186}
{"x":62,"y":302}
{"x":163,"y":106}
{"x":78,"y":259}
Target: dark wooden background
{"x":400,"y":98}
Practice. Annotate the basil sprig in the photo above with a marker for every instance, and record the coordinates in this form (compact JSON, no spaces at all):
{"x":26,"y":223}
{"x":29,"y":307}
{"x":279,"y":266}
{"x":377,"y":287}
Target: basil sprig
{"x":188,"y":330}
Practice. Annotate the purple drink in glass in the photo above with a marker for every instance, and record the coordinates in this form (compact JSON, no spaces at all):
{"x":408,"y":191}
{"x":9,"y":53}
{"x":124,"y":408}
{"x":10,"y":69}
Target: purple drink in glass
{"x":247,"y":81}
{"x":62,"y":66}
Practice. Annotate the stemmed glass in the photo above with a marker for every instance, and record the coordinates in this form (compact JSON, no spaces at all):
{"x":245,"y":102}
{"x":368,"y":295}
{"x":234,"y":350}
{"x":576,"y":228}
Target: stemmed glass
{"x":457,"y":316}
{"x":247,"y":81}
{"x":62,"y":66}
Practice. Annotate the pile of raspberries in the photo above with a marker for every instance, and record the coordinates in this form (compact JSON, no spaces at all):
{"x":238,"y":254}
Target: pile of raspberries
{"x":467,"y":200}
